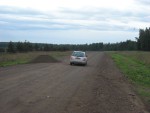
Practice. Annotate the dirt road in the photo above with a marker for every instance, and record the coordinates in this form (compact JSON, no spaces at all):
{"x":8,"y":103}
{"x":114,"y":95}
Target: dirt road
{"x":98,"y":87}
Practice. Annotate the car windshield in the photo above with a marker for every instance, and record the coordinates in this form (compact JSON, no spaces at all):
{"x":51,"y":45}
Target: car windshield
{"x":78,"y":54}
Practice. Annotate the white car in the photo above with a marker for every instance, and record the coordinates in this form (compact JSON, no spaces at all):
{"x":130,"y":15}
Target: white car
{"x":78,"y":57}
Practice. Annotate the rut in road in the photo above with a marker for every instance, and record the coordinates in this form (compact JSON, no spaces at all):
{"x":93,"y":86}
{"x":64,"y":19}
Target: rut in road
{"x":98,"y":87}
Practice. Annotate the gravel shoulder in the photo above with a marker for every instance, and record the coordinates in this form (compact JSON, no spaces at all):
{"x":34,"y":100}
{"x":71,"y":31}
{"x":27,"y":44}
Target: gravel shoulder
{"x":58,"y":87}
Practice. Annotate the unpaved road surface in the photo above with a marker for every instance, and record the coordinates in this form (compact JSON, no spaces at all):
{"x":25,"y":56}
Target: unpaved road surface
{"x":98,"y":87}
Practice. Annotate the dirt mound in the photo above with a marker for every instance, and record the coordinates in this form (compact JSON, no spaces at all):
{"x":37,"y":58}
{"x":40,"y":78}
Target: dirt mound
{"x":44,"y":59}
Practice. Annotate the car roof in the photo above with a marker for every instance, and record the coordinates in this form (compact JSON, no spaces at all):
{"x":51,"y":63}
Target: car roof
{"x":79,"y":51}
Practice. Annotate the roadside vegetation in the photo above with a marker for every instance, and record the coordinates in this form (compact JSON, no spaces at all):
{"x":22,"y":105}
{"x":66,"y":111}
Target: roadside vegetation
{"x":136,"y":67}
{"x":7,"y":59}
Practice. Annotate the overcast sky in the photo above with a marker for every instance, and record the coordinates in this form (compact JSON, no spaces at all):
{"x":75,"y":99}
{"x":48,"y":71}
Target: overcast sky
{"x":72,"y":21}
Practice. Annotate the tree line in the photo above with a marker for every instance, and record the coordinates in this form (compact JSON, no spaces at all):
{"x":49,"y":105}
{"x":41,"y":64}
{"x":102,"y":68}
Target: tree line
{"x":141,"y":43}
{"x":13,"y":47}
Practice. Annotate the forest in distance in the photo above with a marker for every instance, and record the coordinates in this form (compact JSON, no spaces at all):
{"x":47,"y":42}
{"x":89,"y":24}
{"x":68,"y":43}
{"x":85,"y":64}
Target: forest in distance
{"x":142,"y":43}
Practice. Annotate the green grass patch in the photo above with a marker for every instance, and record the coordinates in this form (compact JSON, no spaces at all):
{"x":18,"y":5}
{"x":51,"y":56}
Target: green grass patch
{"x":144,"y":92}
{"x":23,"y":58}
{"x":137,"y":71}
{"x":139,"y":56}
{"x":14,"y":62}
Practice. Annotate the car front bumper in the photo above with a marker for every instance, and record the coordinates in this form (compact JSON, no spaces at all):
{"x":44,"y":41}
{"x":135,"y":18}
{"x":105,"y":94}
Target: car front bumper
{"x":78,"y":62}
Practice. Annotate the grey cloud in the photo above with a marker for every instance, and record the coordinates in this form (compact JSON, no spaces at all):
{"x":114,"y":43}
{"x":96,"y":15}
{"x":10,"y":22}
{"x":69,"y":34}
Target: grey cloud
{"x":22,"y":18}
{"x":20,"y":11}
{"x":144,"y":2}
{"x":15,"y":24}
{"x":104,"y":13}
{"x":27,"y":19}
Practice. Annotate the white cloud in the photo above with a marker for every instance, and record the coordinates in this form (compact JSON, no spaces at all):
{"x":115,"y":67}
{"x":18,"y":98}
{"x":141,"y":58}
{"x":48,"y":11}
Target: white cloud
{"x":55,"y":4}
{"x":87,"y":15}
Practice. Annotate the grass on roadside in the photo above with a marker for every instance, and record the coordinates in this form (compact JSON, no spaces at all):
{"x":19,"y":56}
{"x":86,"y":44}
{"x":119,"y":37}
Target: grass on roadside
{"x":136,"y":70}
{"x":13,"y":62}
{"x":23,"y":58}
{"x":139,"y":56}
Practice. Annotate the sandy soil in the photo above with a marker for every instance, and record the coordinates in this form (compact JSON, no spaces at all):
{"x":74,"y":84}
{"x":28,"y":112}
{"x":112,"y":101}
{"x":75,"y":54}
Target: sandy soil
{"x":58,"y":87}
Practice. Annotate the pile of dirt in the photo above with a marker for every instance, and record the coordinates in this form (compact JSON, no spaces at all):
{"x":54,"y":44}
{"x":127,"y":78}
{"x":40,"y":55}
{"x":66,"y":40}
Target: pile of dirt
{"x":44,"y":59}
